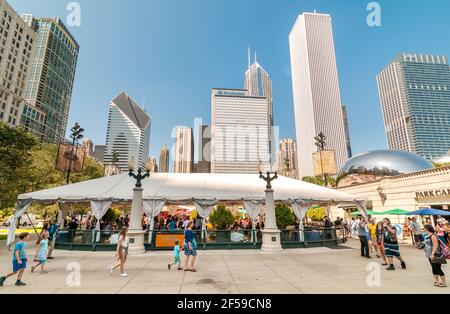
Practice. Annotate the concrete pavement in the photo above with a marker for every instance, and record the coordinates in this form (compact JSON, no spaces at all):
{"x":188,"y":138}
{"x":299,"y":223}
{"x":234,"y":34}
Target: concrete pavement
{"x":315,"y":270}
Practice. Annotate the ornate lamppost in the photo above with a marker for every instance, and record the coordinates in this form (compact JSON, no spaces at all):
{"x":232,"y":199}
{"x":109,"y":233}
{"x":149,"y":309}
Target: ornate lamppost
{"x":321,"y":143}
{"x":271,"y":234}
{"x":135,"y":232}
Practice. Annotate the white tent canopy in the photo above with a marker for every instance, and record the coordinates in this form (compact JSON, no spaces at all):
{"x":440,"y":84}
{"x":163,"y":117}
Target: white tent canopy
{"x":204,"y":190}
{"x":177,"y":187}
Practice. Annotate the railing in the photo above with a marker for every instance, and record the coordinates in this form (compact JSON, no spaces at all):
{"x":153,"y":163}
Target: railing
{"x":206,"y":239}
{"x":87,"y":239}
{"x":312,"y":236}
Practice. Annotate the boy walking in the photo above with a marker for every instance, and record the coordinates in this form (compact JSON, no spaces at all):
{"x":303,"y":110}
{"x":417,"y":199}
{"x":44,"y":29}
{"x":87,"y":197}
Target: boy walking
{"x":176,"y":256}
{"x":19,"y":260}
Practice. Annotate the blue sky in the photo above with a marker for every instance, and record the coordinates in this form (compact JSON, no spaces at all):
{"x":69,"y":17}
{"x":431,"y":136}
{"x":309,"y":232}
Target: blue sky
{"x":172,"y":52}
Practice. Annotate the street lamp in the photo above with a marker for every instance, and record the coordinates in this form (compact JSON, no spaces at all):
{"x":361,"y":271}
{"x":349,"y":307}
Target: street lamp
{"x":76,"y":135}
{"x":270,"y":234}
{"x":139,"y":176}
{"x":135,"y":232}
{"x":321,"y":143}
{"x":269,"y":177}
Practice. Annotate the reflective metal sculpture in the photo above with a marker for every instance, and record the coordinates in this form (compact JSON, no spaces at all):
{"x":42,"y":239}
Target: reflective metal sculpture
{"x":371,"y":166}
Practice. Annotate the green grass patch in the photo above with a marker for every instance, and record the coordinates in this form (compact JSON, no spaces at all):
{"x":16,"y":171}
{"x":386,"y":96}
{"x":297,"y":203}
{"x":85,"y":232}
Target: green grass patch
{"x":4,"y":232}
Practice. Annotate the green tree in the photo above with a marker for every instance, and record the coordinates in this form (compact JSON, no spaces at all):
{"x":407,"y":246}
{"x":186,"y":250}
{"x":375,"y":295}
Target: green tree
{"x":6,"y":213}
{"x":115,"y":157}
{"x":316,"y":213}
{"x":27,"y":166}
{"x":221,"y":217}
{"x":42,"y":172}
{"x":320,"y":181}
{"x":441,"y":164}
{"x":284,"y":216}
{"x":112,"y":214}
{"x":16,"y":147}
{"x":91,"y":170}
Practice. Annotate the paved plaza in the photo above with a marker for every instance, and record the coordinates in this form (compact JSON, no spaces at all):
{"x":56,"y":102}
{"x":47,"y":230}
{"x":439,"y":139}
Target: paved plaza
{"x":314,"y":270}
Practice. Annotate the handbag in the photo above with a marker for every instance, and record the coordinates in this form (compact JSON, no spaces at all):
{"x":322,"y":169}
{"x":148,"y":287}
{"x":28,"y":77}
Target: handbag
{"x":439,"y":259}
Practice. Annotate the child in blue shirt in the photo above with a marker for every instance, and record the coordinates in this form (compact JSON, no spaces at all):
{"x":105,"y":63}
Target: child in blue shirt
{"x":176,"y":256}
{"x":19,"y":260}
{"x":41,"y":254}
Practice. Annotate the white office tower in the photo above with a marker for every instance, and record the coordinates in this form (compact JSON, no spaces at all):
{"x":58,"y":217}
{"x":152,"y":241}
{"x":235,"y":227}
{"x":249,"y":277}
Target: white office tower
{"x":315,"y":84}
{"x":239,"y":131}
{"x":184,"y":150}
{"x":128,"y":132}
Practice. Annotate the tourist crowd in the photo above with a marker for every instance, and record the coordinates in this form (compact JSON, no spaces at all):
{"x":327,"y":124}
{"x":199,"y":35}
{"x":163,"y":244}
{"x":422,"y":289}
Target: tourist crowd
{"x":381,"y":238}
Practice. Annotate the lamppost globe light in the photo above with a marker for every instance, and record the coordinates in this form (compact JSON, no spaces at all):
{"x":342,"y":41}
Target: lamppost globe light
{"x":275,"y":169}
{"x":149,"y":165}
{"x":131,"y":164}
{"x":260,"y":167}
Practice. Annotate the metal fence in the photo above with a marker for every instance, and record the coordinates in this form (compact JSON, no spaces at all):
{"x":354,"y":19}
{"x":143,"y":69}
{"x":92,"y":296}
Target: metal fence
{"x":87,"y":239}
{"x":312,"y":236}
{"x":206,"y":239}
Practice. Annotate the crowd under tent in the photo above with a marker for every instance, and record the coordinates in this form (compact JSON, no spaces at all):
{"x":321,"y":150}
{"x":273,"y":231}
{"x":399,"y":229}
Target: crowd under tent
{"x":204,"y":191}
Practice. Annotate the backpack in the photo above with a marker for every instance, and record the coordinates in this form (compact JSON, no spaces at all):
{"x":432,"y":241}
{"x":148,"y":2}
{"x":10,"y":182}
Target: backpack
{"x":445,"y":250}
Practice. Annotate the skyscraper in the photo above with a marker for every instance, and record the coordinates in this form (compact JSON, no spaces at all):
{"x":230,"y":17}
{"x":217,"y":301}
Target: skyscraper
{"x":257,"y":82}
{"x":99,"y":152}
{"x":202,"y":145}
{"x":164,"y":159}
{"x":50,"y":84}
{"x":184,"y":150}
{"x":415,"y":98}
{"x":347,"y":132}
{"x":154,"y":163}
{"x":16,"y":42}
{"x":287,"y":158}
{"x":128,"y":132}
{"x":240,"y":134}
{"x":89,"y":147}
{"x":315,"y":83}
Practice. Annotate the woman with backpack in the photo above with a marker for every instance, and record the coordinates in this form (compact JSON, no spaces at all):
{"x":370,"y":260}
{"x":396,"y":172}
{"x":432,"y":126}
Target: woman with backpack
{"x":434,"y":253}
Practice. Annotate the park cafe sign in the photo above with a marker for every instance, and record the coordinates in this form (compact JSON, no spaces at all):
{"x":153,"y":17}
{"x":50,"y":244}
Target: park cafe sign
{"x":433,"y":193}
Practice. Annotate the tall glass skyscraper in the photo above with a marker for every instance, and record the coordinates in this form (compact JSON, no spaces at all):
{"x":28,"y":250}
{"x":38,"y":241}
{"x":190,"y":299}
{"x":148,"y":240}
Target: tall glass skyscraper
{"x":50,"y":84}
{"x":415,"y":98}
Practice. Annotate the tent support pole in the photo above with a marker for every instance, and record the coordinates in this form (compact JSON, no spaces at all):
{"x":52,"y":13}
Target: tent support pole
{"x":32,"y":224}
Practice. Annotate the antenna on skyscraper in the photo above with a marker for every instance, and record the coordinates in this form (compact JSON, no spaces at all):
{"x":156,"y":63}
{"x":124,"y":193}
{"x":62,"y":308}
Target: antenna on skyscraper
{"x":249,"y":57}
{"x":255,"y":56}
